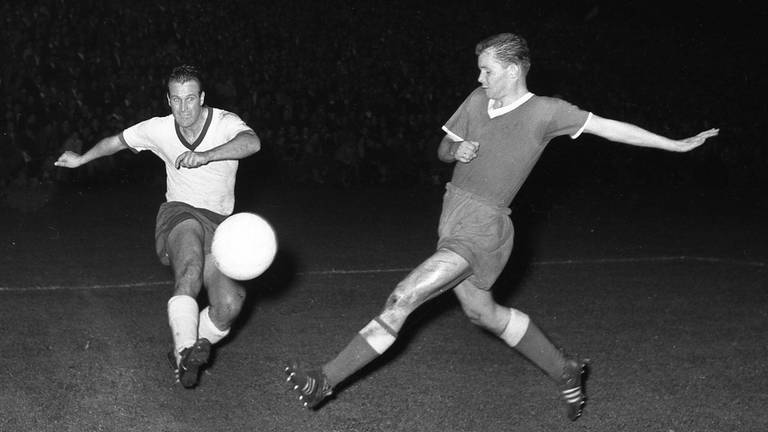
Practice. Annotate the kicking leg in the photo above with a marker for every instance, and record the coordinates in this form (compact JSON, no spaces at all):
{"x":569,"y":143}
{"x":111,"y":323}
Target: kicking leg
{"x":438,"y":273}
{"x":518,"y":331}
{"x":226,"y":298}
{"x":185,"y":251}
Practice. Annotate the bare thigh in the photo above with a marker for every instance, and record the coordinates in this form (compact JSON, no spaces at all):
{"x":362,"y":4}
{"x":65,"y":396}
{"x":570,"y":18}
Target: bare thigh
{"x":185,"y":252}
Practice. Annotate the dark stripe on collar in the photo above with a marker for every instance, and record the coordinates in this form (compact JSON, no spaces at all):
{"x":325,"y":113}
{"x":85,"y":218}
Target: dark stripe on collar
{"x":200,"y":137}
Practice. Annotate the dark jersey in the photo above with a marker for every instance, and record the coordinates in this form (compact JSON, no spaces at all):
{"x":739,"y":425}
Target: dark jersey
{"x":510,"y":144}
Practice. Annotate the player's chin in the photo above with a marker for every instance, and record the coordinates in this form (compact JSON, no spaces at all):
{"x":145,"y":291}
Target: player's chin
{"x":183,"y":121}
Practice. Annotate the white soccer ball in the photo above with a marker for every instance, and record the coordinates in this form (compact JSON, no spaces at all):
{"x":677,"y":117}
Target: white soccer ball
{"x":244,"y":246}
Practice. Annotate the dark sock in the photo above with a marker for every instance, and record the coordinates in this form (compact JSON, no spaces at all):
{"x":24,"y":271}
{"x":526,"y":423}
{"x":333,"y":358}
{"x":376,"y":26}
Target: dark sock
{"x":351,"y":359}
{"x":537,"y":348}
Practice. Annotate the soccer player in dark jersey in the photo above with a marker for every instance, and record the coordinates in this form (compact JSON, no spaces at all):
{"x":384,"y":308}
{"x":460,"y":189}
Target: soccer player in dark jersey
{"x":494,"y":138}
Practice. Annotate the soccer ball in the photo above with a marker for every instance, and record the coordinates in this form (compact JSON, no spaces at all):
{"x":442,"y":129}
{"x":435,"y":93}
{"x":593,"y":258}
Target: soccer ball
{"x":244,"y":246}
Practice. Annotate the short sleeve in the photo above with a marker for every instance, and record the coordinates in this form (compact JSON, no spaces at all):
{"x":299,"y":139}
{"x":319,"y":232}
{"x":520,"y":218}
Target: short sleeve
{"x":232,"y":125}
{"x":139,"y":136}
{"x":566,"y":119}
{"x":457,"y":127}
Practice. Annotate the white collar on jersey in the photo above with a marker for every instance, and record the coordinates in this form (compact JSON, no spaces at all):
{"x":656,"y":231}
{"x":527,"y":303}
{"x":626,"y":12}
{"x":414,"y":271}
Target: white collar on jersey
{"x":495,"y":112}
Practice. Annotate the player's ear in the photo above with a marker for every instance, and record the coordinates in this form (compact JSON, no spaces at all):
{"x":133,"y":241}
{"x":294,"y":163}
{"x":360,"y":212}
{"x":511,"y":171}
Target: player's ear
{"x":202,"y":98}
{"x":168,"y":98}
{"x":514,"y":70}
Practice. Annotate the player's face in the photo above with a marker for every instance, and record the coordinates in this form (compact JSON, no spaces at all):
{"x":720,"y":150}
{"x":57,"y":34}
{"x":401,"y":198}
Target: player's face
{"x":497,"y":79}
{"x":186,"y":102}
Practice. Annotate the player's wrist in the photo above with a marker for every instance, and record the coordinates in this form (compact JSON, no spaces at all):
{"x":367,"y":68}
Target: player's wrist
{"x":207,"y":157}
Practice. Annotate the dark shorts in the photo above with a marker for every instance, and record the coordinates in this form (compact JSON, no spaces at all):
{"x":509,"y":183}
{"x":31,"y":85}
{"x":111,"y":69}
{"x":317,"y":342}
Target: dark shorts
{"x":480,"y":232}
{"x":171,"y":214}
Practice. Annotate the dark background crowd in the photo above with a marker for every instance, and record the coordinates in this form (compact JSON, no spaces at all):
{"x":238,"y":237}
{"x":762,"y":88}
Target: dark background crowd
{"x":353,"y":93}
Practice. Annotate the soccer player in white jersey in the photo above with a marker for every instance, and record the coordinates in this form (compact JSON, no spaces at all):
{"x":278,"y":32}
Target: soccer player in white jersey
{"x":200,"y":147}
{"x":493,"y":140}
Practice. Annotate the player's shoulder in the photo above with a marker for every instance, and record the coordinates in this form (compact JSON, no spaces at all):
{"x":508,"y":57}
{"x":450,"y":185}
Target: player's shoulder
{"x":550,"y":103}
{"x":554,"y":100}
{"x":222,"y":114}
{"x":478,"y":95}
{"x":476,"y":99}
{"x":225,"y":121}
{"x":546,"y":100}
{"x":153,"y":122}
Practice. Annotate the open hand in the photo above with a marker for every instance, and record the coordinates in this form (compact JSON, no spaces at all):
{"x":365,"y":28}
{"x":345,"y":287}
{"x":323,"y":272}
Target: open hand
{"x":691,"y":143}
{"x":69,"y":159}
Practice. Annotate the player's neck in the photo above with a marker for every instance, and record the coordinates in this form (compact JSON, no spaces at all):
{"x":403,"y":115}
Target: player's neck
{"x":511,"y":97}
{"x":192,"y":131}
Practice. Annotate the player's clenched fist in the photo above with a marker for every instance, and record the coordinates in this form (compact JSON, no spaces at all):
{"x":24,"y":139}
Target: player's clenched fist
{"x":69,"y":159}
{"x":191,"y":159}
{"x":465,"y":151}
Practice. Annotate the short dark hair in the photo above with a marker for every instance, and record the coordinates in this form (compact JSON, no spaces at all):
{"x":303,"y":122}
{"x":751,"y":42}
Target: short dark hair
{"x":184,"y":73}
{"x":507,"y":48}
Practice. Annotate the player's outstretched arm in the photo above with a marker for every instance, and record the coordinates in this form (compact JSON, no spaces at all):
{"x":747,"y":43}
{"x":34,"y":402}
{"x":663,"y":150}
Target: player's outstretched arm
{"x":627,"y":133}
{"x":105,"y":147}
{"x":239,"y":147}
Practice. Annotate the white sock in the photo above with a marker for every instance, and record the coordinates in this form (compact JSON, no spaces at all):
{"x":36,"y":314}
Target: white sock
{"x":207,"y":329}
{"x":183,"y":317}
{"x":378,"y":335}
{"x":516,"y":327}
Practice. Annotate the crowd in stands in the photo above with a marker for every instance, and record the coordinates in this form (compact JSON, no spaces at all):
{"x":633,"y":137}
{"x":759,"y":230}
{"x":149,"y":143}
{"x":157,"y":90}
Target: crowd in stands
{"x":338,"y":94}
{"x":326,"y":110}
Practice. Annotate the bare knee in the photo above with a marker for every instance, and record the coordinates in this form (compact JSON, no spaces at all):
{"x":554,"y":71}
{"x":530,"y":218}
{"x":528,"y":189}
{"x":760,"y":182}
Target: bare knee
{"x":226,"y":304}
{"x":482,"y":317}
{"x":481,"y":309}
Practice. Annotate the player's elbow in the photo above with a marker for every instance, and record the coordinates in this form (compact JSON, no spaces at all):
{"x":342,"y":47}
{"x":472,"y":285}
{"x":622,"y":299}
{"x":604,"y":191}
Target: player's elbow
{"x":255,"y":147}
{"x":255,"y":144}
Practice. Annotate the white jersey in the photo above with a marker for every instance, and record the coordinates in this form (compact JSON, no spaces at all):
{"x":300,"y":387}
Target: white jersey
{"x":210,"y":186}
